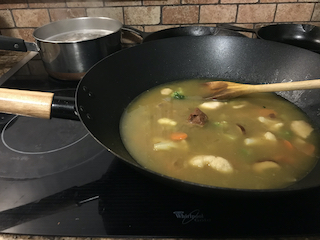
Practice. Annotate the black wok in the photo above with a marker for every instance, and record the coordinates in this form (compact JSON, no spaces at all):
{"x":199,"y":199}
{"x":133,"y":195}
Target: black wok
{"x":109,"y":86}
{"x":194,"y":31}
{"x":300,"y":35}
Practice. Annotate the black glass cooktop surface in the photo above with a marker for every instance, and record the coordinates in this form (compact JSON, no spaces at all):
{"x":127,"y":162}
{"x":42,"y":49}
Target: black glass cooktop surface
{"x":56,"y":180}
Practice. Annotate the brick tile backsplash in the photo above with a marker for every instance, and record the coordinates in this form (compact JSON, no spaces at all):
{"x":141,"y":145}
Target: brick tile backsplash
{"x":180,"y":14}
{"x":142,"y":15}
{"x":8,"y":23}
{"x":294,"y":12}
{"x":46,"y":3}
{"x":111,"y":12}
{"x":65,"y":13}
{"x":5,"y":4}
{"x":30,"y":17}
{"x":199,"y":1}
{"x":19,"y":18}
{"x":277,"y":1}
{"x":84,"y":3}
{"x":122,"y":3}
{"x":252,"y":13}
{"x":316,"y":13}
{"x":159,"y":3}
{"x":239,"y":1}
{"x":218,"y":13}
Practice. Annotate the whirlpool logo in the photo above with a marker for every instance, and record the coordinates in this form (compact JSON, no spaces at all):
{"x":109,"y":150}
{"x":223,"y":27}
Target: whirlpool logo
{"x":195,"y":216}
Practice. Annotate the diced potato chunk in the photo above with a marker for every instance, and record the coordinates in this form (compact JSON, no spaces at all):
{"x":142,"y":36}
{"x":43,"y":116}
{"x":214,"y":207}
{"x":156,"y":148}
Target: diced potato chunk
{"x":218,"y":163}
{"x":238,"y":106}
{"x":271,"y":124}
{"x":301,"y":128}
{"x":276,"y":126}
{"x":166,"y":91}
{"x":250,"y":141}
{"x":270,"y":136}
{"x":167,"y":145}
{"x":167,"y":121}
{"x":265,"y":165}
{"x":211,"y":105}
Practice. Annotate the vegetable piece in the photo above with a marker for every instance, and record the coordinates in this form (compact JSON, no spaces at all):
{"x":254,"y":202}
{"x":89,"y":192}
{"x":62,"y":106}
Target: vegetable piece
{"x":309,"y":149}
{"x":270,"y":123}
{"x":301,"y":128}
{"x":178,"y":136}
{"x":265,"y":165}
{"x":167,"y":145}
{"x":276,"y":126}
{"x":166,"y":91}
{"x":211,"y":105}
{"x":178,"y":95}
{"x":239,"y":106}
{"x":303,"y":146}
{"x":270,"y":136}
{"x":288,"y":144}
{"x":285,"y":159}
{"x":167,"y":121}
{"x":217,"y":163}
{"x":287,"y":135}
{"x":250,"y":141}
{"x":242,"y":129}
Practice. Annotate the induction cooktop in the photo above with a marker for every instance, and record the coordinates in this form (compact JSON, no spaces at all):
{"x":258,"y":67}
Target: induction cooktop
{"x":56,"y":180}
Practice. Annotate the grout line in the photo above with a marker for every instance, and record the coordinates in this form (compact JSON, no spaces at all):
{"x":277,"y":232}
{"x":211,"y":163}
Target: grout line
{"x":275,"y":12}
{"x":313,"y":11}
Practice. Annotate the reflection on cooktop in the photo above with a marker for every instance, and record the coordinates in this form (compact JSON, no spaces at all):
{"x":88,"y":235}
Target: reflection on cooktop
{"x":123,"y":202}
{"x":34,"y":148}
{"x":47,"y":136}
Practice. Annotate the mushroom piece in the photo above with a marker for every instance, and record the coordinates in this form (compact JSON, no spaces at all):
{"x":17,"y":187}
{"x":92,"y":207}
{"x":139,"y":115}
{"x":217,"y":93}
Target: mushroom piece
{"x":242,"y":129}
{"x":198,"y":117}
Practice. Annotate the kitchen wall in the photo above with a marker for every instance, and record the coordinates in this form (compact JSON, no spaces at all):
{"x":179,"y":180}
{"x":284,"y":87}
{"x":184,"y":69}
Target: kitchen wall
{"x":20,"y":17}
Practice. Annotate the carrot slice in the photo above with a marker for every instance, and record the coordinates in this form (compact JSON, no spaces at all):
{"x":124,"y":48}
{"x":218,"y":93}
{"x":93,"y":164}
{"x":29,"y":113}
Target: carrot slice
{"x":284,"y":159}
{"x":288,"y":144}
{"x":309,"y":149}
{"x":178,"y":136}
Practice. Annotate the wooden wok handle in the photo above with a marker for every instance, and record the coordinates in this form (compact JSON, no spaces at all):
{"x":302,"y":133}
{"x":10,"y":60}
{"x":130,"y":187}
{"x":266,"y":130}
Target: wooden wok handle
{"x":26,"y":103}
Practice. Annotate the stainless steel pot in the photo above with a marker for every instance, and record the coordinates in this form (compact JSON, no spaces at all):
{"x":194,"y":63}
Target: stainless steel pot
{"x":70,"y":47}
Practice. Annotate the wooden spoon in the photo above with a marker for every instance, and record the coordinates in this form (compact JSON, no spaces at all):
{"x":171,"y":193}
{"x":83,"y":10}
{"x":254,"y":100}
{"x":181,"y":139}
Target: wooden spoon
{"x":227,"y":90}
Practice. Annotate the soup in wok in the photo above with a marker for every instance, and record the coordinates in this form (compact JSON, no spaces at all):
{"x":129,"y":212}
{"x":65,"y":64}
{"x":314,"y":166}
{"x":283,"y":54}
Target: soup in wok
{"x":259,"y":141}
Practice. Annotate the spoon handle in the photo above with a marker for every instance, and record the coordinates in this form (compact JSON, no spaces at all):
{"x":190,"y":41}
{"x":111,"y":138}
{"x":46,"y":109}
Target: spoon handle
{"x":288,"y":86}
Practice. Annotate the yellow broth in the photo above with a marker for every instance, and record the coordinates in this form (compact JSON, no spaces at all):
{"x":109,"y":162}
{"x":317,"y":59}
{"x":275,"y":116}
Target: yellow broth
{"x":259,"y":141}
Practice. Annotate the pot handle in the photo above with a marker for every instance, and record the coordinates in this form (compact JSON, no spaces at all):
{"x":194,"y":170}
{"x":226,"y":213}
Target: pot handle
{"x":135,"y":31}
{"x":36,"y":104}
{"x":17,"y":44}
{"x":235,"y":28}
